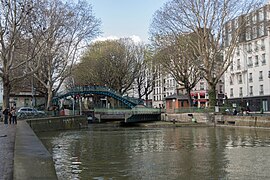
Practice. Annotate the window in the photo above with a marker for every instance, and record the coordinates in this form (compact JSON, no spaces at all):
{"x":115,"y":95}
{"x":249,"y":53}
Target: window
{"x":248,"y":35}
{"x":250,"y":79}
{"x":262,"y":44}
{"x":261,"y":90}
{"x":240,"y":91}
{"x":238,"y":64}
{"x":263,"y":59}
{"x":256,"y":60}
{"x":201,"y":85}
{"x":256,"y":46}
{"x":251,"y":90}
{"x":254,"y":32}
{"x":231,"y":80}
{"x":240,"y":79}
{"x":261,"y":15}
{"x":260,"y":76}
{"x":249,"y":47}
{"x":248,"y":19}
{"x":261,"y":30}
{"x":254,"y":18}
{"x":231,"y":92}
{"x":250,"y":63}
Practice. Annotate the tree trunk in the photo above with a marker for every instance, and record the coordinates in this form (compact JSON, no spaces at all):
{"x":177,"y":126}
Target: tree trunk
{"x":49,"y":98}
{"x":189,"y":97}
{"x":6,"y":92}
{"x":212,"y":95}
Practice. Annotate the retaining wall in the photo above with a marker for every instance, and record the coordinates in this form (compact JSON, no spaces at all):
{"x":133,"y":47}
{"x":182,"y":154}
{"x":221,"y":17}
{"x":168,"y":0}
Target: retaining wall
{"x":31,"y":159}
{"x":185,"y":117}
{"x":58,"y":123}
{"x":251,"y":121}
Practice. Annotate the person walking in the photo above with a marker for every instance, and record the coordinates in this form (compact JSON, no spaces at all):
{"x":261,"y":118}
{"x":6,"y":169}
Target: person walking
{"x":14,"y":116}
{"x":5,"y":113}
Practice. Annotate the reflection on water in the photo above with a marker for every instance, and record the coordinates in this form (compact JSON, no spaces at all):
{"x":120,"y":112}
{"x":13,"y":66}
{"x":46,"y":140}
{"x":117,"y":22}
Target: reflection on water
{"x":107,"y":152}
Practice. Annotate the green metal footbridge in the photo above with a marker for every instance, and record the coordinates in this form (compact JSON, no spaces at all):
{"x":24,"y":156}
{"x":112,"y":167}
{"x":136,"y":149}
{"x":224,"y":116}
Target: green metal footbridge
{"x":98,"y":90}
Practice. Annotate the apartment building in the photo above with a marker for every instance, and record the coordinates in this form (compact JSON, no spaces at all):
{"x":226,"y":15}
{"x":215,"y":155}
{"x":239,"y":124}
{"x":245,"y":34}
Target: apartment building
{"x":247,"y":80}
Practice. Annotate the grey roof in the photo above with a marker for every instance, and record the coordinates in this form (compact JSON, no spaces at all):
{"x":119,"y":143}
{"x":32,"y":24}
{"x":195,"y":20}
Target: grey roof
{"x":178,"y":96}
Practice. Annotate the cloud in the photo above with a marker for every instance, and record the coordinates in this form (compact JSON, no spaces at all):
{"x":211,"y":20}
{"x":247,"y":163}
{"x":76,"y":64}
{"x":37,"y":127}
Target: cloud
{"x":135,"y":38}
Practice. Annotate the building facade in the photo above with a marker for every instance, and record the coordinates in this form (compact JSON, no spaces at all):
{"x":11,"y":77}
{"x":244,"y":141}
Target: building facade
{"x":247,"y":80}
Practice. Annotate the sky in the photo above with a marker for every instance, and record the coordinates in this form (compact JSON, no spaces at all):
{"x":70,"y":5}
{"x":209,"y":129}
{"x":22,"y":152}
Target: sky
{"x":125,"y":18}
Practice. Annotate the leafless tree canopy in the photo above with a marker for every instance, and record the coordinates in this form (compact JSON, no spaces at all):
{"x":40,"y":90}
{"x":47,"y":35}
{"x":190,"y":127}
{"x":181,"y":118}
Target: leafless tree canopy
{"x":206,"y":19}
{"x":40,"y":38}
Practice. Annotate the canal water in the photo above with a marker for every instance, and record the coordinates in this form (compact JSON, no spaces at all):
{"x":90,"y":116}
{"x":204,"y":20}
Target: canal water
{"x":106,"y":151}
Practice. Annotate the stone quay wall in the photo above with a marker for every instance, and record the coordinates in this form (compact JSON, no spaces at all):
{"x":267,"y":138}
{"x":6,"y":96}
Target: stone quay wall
{"x":187,"y":117}
{"x":31,"y":159}
{"x":58,"y":123}
{"x":251,"y":121}
{"x":217,"y":119}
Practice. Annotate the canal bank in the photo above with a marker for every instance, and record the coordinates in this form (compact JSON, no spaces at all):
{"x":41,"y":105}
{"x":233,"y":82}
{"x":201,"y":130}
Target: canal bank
{"x":31,"y":159}
{"x":250,"y":120}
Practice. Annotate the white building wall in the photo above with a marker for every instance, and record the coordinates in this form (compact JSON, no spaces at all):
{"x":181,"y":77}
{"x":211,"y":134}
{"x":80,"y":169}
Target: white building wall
{"x":254,"y":73}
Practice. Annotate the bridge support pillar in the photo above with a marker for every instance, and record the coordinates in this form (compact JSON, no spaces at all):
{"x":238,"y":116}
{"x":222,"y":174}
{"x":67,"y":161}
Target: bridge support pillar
{"x":98,"y":116}
{"x":126,"y":117}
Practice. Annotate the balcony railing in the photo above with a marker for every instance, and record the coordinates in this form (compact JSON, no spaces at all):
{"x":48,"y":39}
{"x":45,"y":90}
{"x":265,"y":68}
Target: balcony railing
{"x":262,"y":47}
{"x":261,"y":78}
{"x":250,"y":80}
{"x":261,"y":92}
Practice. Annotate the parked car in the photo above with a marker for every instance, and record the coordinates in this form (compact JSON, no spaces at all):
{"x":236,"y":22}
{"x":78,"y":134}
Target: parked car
{"x":28,"y":111}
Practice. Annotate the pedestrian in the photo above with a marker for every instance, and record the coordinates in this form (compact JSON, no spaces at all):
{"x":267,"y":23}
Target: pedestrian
{"x":5,"y":113}
{"x":9,"y":115}
{"x":14,"y":116}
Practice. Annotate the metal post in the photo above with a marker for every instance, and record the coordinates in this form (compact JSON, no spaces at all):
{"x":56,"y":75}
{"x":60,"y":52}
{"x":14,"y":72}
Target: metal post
{"x":73,"y":105}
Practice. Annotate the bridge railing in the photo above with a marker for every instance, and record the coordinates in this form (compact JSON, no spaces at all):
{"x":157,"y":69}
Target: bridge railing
{"x":104,"y":89}
{"x":128,"y":111}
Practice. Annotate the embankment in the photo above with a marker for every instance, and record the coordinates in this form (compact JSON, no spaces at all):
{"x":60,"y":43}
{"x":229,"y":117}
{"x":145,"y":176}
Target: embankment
{"x":31,"y":159}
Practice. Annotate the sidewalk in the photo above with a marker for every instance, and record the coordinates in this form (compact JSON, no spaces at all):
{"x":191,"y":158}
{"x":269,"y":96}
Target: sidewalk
{"x":7,"y":140}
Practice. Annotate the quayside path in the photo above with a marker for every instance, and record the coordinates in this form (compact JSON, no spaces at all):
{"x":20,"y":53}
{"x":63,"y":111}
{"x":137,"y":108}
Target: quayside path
{"x":7,"y":141}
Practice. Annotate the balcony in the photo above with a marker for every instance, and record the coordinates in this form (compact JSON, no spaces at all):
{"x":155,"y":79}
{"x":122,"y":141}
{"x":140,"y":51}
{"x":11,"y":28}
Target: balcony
{"x":249,"y":50}
{"x":263,"y":62}
{"x":261,"y":92}
{"x":231,"y":95}
{"x":240,"y":82}
{"x":256,"y":64}
{"x":256,"y":48}
{"x":263,"y":47}
{"x":240,"y":94}
{"x":250,"y":80}
{"x":260,"y":78}
{"x":251,"y":93}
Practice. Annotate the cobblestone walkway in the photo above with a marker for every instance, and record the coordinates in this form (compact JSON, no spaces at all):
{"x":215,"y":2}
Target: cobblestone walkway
{"x":7,"y":140}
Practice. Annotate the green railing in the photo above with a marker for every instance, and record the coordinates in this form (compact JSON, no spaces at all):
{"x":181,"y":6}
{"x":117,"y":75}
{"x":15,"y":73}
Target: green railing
{"x":128,"y":111}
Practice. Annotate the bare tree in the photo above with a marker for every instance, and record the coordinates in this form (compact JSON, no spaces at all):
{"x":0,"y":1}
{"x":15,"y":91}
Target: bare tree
{"x":21,"y":41}
{"x":146,"y":74}
{"x":207,"y":19}
{"x":70,"y":27}
{"x":178,"y":58}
